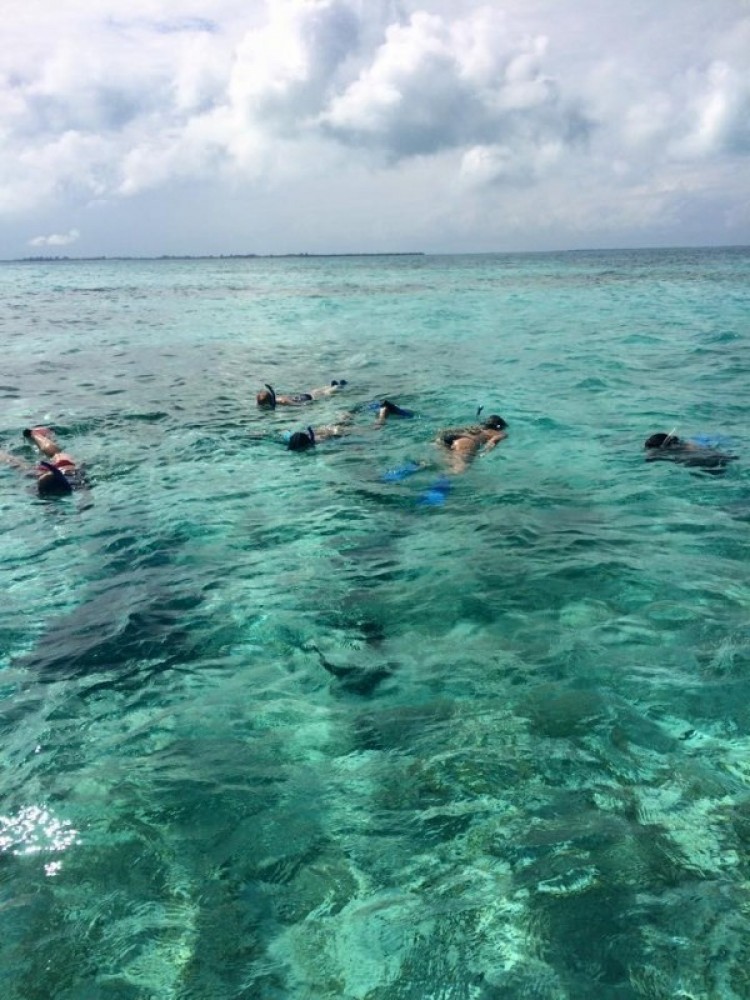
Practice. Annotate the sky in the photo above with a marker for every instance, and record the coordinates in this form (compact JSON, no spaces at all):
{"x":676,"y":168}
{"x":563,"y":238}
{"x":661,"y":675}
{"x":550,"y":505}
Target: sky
{"x":144,"y":128}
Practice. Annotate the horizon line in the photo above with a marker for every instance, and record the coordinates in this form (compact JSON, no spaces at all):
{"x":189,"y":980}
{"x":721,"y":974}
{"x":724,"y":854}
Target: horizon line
{"x":63,"y":258}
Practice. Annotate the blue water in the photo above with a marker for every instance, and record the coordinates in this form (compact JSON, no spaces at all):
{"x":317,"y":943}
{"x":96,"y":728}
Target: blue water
{"x":273,"y":728}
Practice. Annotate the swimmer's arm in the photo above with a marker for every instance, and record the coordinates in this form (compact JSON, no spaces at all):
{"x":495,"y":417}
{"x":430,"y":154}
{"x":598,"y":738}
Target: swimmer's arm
{"x":17,"y":463}
{"x":495,"y":440}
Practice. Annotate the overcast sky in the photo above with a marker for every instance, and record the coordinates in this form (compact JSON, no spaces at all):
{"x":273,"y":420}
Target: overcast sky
{"x":146,"y":127}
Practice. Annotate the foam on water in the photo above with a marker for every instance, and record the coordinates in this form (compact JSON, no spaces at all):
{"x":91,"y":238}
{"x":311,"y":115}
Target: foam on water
{"x":273,"y":728}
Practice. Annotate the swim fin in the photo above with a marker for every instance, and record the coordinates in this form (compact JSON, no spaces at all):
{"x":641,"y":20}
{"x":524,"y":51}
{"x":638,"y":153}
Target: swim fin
{"x":436,"y":494}
{"x":400,"y":472}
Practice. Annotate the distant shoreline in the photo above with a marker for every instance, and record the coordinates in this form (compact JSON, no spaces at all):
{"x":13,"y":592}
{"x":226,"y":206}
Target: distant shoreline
{"x":66,"y":259}
{"x":218,"y":256}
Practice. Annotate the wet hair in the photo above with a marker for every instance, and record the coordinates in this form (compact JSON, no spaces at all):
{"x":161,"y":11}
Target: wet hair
{"x":494,"y":423}
{"x":301,"y":440}
{"x":266,"y":397}
{"x":52,"y":482}
{"x":662,"y":440}
{"x":388,"y":408}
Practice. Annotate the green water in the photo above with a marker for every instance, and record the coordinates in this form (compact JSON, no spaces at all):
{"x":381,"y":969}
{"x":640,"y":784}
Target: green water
{"x":273,"y":728}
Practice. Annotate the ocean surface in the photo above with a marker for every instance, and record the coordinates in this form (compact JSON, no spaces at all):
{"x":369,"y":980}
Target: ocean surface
{"x":275,"y":727}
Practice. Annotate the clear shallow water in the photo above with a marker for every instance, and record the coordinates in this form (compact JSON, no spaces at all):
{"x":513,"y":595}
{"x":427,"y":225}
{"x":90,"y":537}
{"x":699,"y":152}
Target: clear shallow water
{"x":528,"y":775}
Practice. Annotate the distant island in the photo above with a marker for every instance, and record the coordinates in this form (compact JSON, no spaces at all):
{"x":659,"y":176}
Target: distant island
{"x":222,"y":256}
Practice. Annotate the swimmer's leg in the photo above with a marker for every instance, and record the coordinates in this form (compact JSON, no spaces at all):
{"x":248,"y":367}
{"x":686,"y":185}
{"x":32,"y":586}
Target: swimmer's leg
{"x":43,"y":440}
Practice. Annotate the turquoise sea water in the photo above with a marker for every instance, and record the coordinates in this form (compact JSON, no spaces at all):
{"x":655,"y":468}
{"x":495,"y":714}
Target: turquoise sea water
{"x":271,"y":728}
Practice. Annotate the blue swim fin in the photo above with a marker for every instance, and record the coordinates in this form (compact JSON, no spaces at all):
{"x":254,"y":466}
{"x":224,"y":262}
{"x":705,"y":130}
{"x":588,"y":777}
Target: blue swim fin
{"x":400,"y":472}
{"x":711,"y":440}
{"x":436,"y":494}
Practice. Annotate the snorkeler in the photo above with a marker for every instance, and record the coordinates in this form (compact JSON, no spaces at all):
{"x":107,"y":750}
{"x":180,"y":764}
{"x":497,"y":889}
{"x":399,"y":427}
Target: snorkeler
{"x":304,"y":440}
{"x":387,"y":409}
{"x":269,"y":399}
{"x":58,"y":475}
{"x":663,"y":447}
{"x":464,"y":443}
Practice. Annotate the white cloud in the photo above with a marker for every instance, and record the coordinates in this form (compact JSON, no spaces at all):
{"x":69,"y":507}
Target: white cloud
{"x":509,"y":164}
{"x":55,"y":239}
{"x":283,"y":72}
{"x":436,"y":84}
{"x":719,"y":112}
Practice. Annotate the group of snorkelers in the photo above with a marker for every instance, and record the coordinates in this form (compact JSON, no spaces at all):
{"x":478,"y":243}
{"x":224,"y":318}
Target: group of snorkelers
{"x":461,"y":443}
{"x":464,"y":443}
{"x":58,"y":474}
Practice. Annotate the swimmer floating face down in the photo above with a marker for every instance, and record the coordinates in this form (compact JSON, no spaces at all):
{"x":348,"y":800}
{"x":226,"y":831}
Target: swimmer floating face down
{"x":464,"y":443}
{"x":269,"y":399}
{"x":661,"y":447}
{"x":304,"y":440}
{"x":57,"y":474}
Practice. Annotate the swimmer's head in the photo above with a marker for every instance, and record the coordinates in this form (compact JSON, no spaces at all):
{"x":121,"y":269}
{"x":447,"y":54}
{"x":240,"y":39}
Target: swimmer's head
{"x":389,"y":409}
{"x":266,"y":398}
{"x":52,"y":483}
{"x":301,"y":440}
{"x":662,"y":440}
{"x":494,"y":423}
